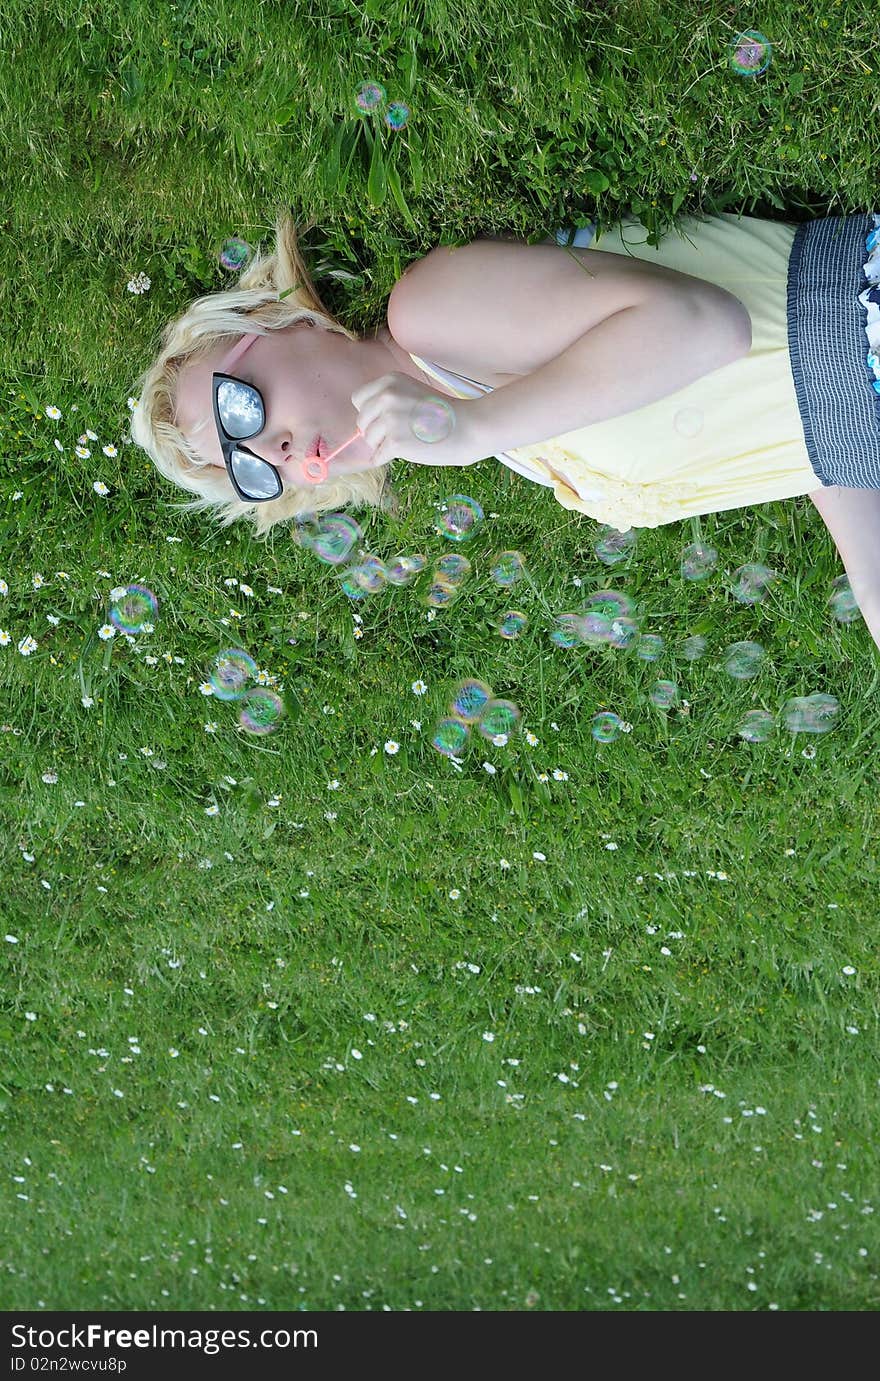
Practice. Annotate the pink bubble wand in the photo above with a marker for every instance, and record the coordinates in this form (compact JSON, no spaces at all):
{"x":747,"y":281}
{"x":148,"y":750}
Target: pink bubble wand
{"x":322,"y":462}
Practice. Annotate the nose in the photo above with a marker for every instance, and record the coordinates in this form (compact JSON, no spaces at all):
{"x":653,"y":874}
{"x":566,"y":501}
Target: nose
{"x":276,"y":448}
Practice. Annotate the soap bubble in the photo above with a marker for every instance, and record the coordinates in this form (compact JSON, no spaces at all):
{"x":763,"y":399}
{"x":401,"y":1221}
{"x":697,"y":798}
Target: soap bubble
{"x":688,"y":422}
{"x":231,"y":672}
{"x":751,"y":582}
{"x":450,"y":736}
{"x":625,"y":633}
{"x":750,"y":53}
{"x":698,"y":561}
{"x":664,"y":694}
{"x":499,"y":717}
{"x":470,"y":699}
{"x":811,"y":714}
{"x":133,"y":608}
{"x":441,"y":592}
{"x":756,"y":726}
{"x":567,"y":632}
{"x":334,"y":537}
{"x":650,"y":647}
{"x":397,"y":115}
{"x":508,"y":568}
{"x":606,"y":726}
{"x":235,"y":254}
{"x":512,"y":624}
{"x":404,"y":569}
{"x":369,"y":96}
{"x":460,"y":518}
{"x":843,"y":603}
{"x":369,"y":575}
{"x":261,"y":711}
{"x":693,"y":648}
{"x":432,"y":419}
{"x":743,"y":660}
{"x":454,"y":567}
{"x":612,"y":546}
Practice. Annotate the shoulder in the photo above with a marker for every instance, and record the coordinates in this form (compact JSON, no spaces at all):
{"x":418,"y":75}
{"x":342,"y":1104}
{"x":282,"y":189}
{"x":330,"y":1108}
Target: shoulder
{"x":513,"y":304}
{"x":517,"y":306}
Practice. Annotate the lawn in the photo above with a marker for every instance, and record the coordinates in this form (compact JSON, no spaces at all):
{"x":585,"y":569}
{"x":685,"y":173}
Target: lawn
{"x":590,"y":1025}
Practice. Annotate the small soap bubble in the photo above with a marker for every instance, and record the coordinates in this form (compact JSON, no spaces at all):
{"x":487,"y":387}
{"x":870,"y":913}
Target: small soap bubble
{"x":512,"y":624}
{"x":454,"y":567}
{"x":688,"y":422}
{"x":756,"y":726}
{"x":370,"y":575}
{"x":811,"y":714}
{"x":334,"y":537}
{"x":751,"y":583}
{"x":432,"y":419}
{"x":508,"y":568}
{"x":441,"y":592}
{"x":231,"y":672}
{"x":460,"y":518}
{"x":625,"y":633}
{"x":698,"y":561}
{"x":743,"y":660}
{"x":567,"y":632}
{"x":450,"y":736}
{"x":842,"y":602}
{"x":693,"y":648}
{"x":133,"y":608}
{"x":650,"y":647}
{"x":369,"y":96}
{"x":397,"y":115}
{"x":664,"y":694}
{"x":750,"y":53}
{"x":499,"y":717}
{"x":261,"y":711}
{"x":606,"y":726}
{"x":610,"y":603}
{"x":305,"y":529}
{"x":595,"y":628}
{"x":612,"y":546}
{"x":469,"y":700}
{"x":235,"y":254}
{"x":607,"y":618}
{"x":349,"y":585}
{"x":404,"y":569}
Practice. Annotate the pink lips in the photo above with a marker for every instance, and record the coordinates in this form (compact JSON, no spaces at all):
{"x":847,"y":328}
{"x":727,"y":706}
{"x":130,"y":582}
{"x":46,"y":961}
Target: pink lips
{"x":314,"y":448}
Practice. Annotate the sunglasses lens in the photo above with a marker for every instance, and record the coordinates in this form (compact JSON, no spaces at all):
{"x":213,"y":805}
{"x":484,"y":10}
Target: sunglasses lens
{"x":254,"y":476}
{"x":240,"y":409}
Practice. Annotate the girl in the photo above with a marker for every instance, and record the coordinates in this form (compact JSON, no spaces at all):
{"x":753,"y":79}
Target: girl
{"x":737,"y":364}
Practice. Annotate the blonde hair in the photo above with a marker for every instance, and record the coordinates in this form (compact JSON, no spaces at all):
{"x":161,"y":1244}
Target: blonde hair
{"x":253,"y":306}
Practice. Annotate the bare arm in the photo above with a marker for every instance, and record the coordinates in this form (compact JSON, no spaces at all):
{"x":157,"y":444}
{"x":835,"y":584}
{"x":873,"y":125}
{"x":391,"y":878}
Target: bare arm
{"x":852,"y":516}
{"x":593,"y":379}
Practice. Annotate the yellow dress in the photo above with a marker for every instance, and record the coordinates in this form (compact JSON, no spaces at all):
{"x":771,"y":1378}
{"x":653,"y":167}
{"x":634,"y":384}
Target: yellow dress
{"x":731,"y":439}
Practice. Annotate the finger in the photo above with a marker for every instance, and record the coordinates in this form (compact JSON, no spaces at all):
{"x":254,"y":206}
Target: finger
{"x":377,"y":437}
{"x":362,"y":395}
{"x":366,"y":418}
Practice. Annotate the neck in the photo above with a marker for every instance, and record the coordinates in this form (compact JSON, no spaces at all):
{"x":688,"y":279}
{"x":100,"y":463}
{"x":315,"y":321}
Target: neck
{"x":400,"y":363}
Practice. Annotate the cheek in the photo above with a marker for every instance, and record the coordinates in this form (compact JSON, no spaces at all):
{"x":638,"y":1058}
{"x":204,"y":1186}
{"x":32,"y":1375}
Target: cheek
{"x":206,"y":446}
{"x":213,"y":458}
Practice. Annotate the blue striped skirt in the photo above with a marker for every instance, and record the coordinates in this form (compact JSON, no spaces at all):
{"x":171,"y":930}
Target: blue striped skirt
{"x":834,"y":345}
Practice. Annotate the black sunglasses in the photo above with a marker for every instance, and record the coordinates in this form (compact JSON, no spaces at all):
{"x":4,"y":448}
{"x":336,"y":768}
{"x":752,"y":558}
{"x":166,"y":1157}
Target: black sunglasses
{"x":239,"y":414}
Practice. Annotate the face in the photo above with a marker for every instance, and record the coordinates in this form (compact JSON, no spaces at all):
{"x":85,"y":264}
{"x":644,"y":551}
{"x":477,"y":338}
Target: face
{"x":306,"y":376}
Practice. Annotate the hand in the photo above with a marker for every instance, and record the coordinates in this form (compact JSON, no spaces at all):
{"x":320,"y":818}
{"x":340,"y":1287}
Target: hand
{"x":385,"y":409}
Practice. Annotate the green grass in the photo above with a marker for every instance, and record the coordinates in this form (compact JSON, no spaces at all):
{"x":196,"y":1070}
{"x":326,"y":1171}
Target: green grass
{"x":206,"y":892}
